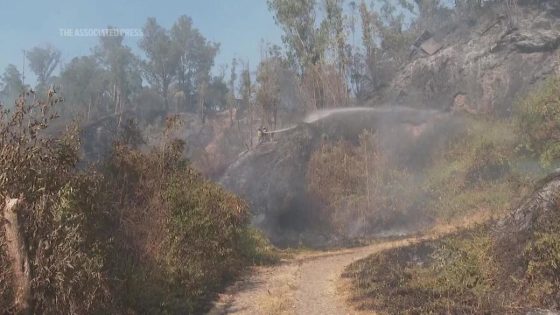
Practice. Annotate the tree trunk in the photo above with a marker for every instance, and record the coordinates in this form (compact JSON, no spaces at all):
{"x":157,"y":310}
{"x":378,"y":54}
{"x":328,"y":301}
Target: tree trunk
{"x":17,"y":251}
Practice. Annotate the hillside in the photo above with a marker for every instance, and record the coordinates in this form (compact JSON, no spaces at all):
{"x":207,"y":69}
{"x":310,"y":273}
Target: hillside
{"x":451,"y":96}
{"x":393,"y":157}
{"x":513,"y":259}
{"x":485,"y":63}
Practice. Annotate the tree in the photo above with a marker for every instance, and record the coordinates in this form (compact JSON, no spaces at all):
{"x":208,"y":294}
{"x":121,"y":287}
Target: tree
{"x":246,"y":91}
{"x":84,"y":85}
{"x":231,"y":100}
{"x":335,"y":19}
{"x":43,"y":61}
{"x":367,"y":28}
{"x":122,"y":67}
{"x":12,"y":84}
{"x":163,"y":58}
{"x":268,"y":91}
{"x":309,"y":43}
{"x":216,"y":95}
{"x":305,"y":41}
{"x":196,"y":57}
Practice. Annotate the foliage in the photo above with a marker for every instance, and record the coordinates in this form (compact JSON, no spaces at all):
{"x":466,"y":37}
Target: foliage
{"x":163,"y":57}
{"x":360,"y":188}
{"x":469,"y":271}
{"x":268,"y":92}
{"x":543,"y":267}
{"x":306,"y":40}
{"x":183,"y":236}
{"x":84,"y":81}
{"x":141,"y":233}
{"x":122,"y":71}
{"x":476,"y":171}
{"x":464,"y":273}
{"x":11,"y":85}
{"x":63,"y":214}
{"x":449,"y":276}
{"x":538,"y":123}
{"x":465,"y":265}
{"x":43,"y":61}
{"x":196,"y":58}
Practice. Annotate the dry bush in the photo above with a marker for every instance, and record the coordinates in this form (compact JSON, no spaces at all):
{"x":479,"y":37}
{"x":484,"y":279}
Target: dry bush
{"x":140,"y":233}
{"x":538,"y":124}
{"x":181,"y":237}
{"x":470,"y":271}
{"x":450,"y":276}
{"x":359,"y":186}
{"x":60,"y":215}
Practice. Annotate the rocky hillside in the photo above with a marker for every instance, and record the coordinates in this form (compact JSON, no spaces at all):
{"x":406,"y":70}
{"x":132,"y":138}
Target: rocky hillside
{"x":484,"y":64}
{"x":483,"y":67}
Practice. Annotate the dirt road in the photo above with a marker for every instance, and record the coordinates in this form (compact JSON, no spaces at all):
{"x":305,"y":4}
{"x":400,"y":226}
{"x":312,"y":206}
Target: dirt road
{"x":307,"y":284}
{"x":310,"y":283}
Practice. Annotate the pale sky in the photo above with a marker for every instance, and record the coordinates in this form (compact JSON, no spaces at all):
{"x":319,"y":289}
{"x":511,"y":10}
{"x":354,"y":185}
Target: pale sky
{"x":238,"y":25}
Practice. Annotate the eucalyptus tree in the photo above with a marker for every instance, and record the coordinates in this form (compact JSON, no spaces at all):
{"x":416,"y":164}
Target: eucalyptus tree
{"x":85,"y":86}
{"x":123,"y":69}
{"x":195,"y":58}
{"x":43,"y":62}
{"x":163,"y":58}
{"x":11,"y":85}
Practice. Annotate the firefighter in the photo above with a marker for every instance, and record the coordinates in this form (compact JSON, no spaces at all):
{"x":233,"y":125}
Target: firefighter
{"x":260,"y":135}
{"x":265,"y":134}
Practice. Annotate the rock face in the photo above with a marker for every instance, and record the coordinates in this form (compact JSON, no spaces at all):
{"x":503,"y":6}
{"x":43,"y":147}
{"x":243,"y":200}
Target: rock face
{"x":535,"y":211}
{"x":482,"y":68}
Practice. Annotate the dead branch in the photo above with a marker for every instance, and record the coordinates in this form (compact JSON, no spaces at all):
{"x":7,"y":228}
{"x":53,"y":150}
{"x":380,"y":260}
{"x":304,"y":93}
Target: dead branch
{"x":17,"y":252}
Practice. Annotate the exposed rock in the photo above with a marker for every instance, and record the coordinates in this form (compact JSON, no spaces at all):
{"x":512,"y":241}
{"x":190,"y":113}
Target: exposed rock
{"x":538,"y":41}
{"x":536,"y":209}
{"x":489,"y":65}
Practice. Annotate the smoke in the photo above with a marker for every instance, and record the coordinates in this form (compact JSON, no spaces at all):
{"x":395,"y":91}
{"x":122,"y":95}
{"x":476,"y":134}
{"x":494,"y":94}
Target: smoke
{"x":274,"y":177}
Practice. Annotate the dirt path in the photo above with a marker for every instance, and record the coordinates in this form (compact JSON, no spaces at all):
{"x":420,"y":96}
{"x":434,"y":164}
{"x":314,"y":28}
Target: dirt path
{"x":308,"y":284}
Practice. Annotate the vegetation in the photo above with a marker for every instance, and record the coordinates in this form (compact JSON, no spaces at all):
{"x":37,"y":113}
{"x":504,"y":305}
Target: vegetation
{"x":142,"y":232}
{"x":470,"y":271}
{"x":359,"y":187}
{"x":475,"y":172}
{"x":453,"y":276}
{"x":538,"y":124}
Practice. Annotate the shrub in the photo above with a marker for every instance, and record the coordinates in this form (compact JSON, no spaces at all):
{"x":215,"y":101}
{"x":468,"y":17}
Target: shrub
{"x":543,"y":268}
{"x":454,"y":275}
{"x":476,"y":171}
{"x":538,"y":123}
{"x":62,"y":214}
{"x":183,"y":237}
{"x":140,"y":233}
{"x":360,"y":187}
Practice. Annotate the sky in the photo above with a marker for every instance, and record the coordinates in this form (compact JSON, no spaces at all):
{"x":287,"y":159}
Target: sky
{"x":239,"y":26}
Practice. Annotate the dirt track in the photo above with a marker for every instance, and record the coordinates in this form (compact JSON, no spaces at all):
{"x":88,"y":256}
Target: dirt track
{"x":310,"y":283}
{"x":307,"y":284}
